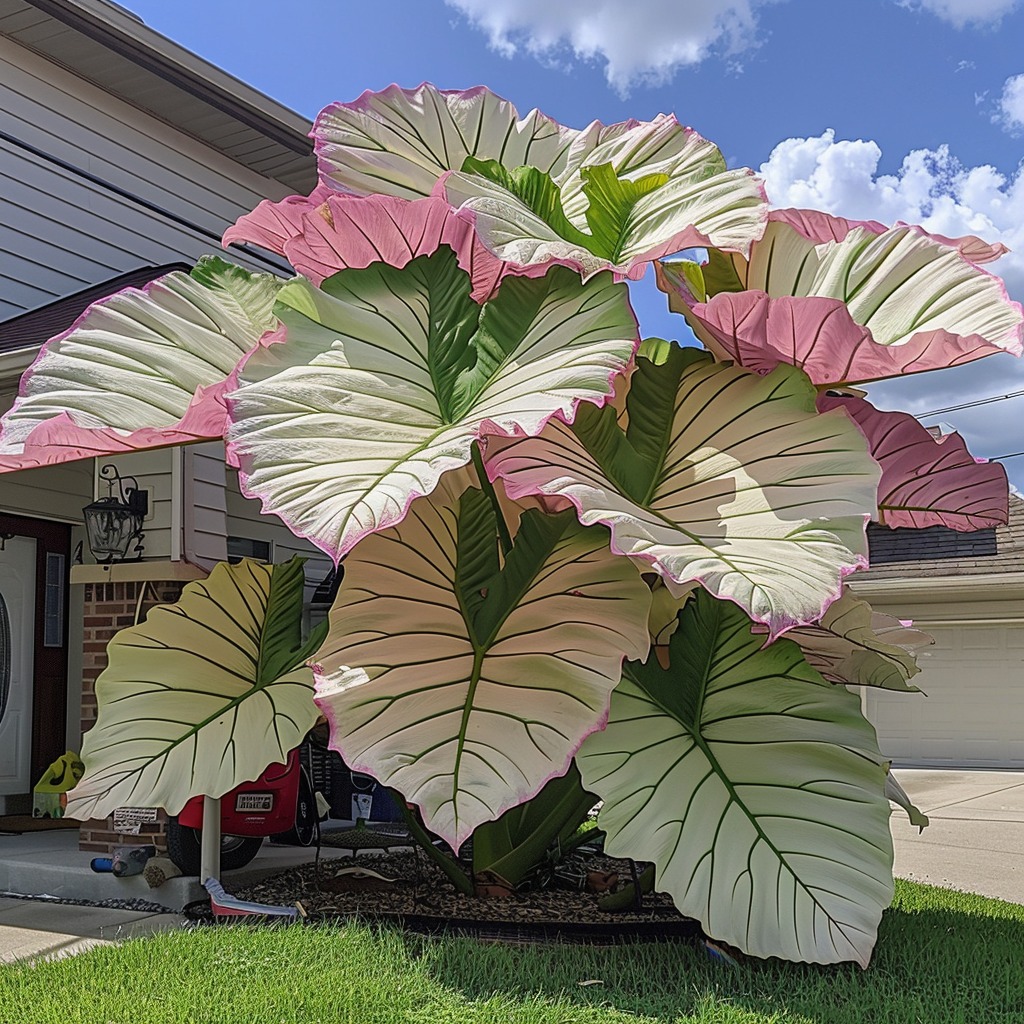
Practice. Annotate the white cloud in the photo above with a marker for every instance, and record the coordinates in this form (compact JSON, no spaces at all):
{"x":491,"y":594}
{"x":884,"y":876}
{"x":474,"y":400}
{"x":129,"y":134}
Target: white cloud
{"x":642,"y":42}
{"x":934,"y":189}
{"x":1011,"y":104}
{"x":961,"y":13}
{"x":931,"y":188}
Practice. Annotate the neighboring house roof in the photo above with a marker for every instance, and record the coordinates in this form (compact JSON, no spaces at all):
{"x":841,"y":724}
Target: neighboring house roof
{"x":960,"y":560}
{"x":111,"y":47}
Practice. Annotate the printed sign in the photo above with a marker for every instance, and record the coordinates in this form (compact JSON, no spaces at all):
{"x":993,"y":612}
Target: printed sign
{"x":128,"y":820}
{"x":259,"y":803}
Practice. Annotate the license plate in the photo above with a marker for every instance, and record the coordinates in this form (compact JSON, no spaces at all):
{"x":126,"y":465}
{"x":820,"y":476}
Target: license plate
{"x":261,"y":803}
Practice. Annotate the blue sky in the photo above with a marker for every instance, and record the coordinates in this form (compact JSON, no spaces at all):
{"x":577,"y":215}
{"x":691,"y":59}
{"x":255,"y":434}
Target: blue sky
{"x":888,"y":109}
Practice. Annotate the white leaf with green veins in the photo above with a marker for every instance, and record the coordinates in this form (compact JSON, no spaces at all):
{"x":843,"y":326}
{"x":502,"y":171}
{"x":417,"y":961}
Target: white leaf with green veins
{"x":755,"y":787}
{"x":388,"y":376}
{"x":855,"y":645}
{"x":464,"y":683}
{"x":141,"y":368}
{"x":721,"y":477}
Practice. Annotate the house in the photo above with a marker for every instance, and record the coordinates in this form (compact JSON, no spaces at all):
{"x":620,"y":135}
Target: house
{"x":122,"y":156}
{"x":967,"y":591}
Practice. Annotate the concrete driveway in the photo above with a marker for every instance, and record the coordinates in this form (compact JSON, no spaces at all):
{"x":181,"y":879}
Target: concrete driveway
{"x":975,"y":841}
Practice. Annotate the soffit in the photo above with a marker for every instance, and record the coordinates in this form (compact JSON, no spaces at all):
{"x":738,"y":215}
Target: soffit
{"x":116,"y":51}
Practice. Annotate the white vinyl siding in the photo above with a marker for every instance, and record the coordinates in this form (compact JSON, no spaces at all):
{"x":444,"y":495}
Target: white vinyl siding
{"x":60,"y":232}
{"x":246,"y":520}
{"x":204,"y":480}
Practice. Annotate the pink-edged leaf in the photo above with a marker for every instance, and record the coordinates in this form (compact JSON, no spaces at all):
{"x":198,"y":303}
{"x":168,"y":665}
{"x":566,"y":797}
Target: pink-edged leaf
{"x":926,"y":481}
{"x":722,"y":477}
{"x":630,"y":197}
{"x":816,"y":334}
{"x":272,"y":224}
{"x":329,"y":232}
{"x":464,"y":684}
{"x":825,"y":227}
{"x":389,"y":375}
{"x":398,"y":142}
{"x":141,"y":369}
{"x":868,"y":306}
{"x":854,"y":645}
{"x":667,"y":188}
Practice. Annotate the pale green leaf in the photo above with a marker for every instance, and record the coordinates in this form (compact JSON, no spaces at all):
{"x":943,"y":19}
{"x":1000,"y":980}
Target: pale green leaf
{"x":755,"y":788}
{"x":203,"y":695}
{"x":466,"y":689}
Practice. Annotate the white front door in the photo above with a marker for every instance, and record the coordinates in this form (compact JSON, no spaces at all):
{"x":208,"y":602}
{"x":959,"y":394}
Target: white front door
{"x":17,"y":623}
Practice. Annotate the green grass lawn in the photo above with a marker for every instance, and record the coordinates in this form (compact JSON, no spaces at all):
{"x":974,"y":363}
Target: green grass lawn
{"x":941,"y":956}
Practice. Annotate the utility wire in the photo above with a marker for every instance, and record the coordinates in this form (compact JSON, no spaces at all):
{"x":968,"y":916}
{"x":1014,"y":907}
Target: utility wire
{"x":971,"y":405}
{"x":999,"y":458}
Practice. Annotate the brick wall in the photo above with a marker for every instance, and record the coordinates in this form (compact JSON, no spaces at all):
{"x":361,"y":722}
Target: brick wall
{"x":110,"y":607}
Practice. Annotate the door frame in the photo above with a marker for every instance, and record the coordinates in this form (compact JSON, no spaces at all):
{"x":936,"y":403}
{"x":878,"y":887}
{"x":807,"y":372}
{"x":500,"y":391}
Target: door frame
{"x":49,"y":664}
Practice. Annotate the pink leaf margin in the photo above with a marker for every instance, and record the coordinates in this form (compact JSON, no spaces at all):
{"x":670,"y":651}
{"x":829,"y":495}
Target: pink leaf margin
{"x":363,"y":104}
{"x":60,"y":439}
{"x":820,"y":227}
{"x":326,"y":232}
{"x":926,"y":481}
{"x":818,"y":335}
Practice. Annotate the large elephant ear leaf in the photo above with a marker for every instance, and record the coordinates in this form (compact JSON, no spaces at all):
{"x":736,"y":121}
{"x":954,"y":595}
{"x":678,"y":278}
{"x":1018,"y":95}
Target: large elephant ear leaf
{"x":467,"y":685}
{"x":389,"y":375}
{"x":599,"y":216}
{"x":143,"y":368}
{"x":722,"y":477}
{"x":203,"y":695}
{"x":926,"y":481}
{"x":398,"y":142}
{"x":868,"y":304}
{"x":755,"y":788}
{"x":853,"y":644}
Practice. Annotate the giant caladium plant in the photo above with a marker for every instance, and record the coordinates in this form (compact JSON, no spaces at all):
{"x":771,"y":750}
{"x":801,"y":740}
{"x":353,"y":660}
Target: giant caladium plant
{"x":560,"y":543}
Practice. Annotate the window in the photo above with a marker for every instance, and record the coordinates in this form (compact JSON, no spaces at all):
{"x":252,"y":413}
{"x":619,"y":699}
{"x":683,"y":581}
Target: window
{"x":53,"y":601}
{"x":246,"y":547}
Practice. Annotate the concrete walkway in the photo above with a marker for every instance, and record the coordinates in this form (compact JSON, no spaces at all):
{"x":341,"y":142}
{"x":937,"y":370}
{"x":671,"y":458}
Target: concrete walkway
{"x":31,"y":929}
{"x":975,"y":843}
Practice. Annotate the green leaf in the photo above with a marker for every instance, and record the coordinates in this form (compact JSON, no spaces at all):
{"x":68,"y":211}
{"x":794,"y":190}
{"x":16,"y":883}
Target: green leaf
{"x":247,"y":295}
{"x":723,"y":272}
{"x":203,"y":695}
{"x":755,"y":787}
{"x":536,"y":190}
{"x":520,"y":840}
{"x":611,"y":203}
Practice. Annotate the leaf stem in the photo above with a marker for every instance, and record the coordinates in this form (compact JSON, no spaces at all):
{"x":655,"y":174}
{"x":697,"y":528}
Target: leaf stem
{"x":449,"y":866}
{"x":504,"y":536}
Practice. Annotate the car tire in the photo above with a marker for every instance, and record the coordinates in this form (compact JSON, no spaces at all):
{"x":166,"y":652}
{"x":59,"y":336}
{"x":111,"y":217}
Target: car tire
{"x":184,"y":847}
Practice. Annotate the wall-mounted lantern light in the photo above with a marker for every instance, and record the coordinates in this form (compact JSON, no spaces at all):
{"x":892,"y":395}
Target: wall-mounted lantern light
{"x":114,"y":522}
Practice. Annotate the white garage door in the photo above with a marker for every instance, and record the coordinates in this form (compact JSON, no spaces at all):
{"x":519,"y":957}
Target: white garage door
{"x":974,"y":711}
